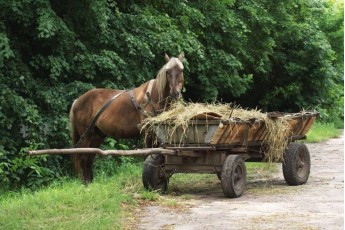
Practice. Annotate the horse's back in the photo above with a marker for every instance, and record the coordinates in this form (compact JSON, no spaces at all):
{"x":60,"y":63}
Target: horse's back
{"x":87,"y":105}
{"x":118,"y":120}
{"x":98,"y":95}
{"x":95,"y":98}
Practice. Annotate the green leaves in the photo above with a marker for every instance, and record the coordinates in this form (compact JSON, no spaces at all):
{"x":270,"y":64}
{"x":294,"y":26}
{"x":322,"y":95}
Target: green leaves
{"x":5,"y":49}
{"x":47,"y":26}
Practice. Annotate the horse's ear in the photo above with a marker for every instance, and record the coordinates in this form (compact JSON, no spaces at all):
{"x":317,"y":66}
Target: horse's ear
{"x":180,"y":57}
{"x":167,"y":58}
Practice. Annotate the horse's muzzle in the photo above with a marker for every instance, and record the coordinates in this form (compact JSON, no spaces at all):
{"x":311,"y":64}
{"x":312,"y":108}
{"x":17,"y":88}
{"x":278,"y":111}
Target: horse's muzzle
{"x":176,"y":95}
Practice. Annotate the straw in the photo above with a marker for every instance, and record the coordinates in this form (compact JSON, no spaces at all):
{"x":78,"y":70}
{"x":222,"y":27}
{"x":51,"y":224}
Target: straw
{"x":181,"y":113}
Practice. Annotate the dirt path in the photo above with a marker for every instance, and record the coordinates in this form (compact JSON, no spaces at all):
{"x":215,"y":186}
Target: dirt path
{"x":272,"y":204}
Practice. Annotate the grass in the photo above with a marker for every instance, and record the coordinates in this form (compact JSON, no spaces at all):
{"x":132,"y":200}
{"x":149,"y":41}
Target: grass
{"x":108,"y":202}
{"x":322,"y":132}
{"x":70,"y":205}
{"x":261,"y":170}
{"x":183,"y":183}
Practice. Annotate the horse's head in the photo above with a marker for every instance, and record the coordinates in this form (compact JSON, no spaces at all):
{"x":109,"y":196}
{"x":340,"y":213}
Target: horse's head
{"x":174,"y":75}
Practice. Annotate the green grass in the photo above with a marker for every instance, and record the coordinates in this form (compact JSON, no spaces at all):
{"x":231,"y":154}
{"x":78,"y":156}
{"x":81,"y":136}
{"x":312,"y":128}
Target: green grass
{"x":67,"y":206}
{"x":71,"y":205}
{"x":322,"y":132}
{"x":261,"y":170}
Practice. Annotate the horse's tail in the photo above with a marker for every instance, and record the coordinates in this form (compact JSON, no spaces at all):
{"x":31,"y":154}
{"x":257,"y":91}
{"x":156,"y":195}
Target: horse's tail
{"x":75,"y":138}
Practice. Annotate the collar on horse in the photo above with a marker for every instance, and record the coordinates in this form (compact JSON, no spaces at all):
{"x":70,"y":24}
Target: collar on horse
{"x":147,"y":101}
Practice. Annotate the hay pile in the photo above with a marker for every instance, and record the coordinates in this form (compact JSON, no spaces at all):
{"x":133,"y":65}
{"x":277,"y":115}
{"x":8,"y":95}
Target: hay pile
{"x":182,"y":112}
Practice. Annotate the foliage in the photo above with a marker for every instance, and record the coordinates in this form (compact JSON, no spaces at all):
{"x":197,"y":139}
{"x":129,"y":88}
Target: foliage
{"x":281,"y":55}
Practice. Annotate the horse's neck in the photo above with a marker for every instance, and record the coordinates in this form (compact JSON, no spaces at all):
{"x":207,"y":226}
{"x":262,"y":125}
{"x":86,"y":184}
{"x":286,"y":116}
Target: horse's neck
{"x":151,"y":87}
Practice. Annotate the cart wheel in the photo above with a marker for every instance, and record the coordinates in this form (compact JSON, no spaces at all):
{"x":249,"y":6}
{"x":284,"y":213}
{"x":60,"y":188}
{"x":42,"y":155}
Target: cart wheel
{"x":154,"y":176}
{"x":233,"y":175}
{"x":296,"y":165}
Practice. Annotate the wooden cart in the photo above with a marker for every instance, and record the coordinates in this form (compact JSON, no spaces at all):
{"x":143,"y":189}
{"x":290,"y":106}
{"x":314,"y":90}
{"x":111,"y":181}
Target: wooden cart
{"x":222,"y":147}
{"x":218,"y":147}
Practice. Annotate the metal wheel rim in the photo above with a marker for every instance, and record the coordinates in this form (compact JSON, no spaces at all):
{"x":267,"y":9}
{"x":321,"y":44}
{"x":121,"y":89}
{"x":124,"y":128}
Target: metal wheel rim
{"x":159,"y":178}
{"x":301,"y":165}
{"x":238,"y":177}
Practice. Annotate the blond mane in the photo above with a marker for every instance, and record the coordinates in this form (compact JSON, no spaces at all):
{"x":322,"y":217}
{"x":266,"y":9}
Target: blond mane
{"x":161,"y":76}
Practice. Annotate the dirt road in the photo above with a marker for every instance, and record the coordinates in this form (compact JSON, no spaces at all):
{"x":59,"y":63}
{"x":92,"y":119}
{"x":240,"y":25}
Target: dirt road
{"x":271,"y":204}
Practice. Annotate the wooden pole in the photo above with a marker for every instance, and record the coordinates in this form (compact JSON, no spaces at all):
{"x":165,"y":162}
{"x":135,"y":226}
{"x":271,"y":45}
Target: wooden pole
{"x":137,"y":152}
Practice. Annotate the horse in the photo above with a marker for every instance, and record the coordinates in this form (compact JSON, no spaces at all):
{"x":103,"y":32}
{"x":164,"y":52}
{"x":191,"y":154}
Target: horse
{"x":101,"y":113}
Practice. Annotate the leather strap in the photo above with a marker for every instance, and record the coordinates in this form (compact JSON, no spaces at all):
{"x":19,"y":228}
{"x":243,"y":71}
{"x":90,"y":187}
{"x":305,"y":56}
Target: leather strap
{"x":134,"y":101}
{"x":147,"y":100}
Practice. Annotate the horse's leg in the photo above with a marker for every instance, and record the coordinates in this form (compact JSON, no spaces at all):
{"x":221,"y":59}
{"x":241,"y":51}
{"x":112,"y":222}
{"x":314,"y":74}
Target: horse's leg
{"x":82,"y":161}
{"x":86,"y":160}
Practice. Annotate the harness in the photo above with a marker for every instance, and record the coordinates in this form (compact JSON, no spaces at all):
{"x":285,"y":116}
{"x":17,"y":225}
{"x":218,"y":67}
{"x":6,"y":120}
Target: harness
{"x":140,"y":108}
{"x":147,"y":101}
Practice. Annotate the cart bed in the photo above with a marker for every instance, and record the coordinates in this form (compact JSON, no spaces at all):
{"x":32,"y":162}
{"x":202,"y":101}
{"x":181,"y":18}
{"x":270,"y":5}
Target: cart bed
{"x":232,"y":132}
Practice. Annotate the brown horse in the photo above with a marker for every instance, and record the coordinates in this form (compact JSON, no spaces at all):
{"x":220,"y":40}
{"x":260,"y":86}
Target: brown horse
{"x":116,"y":113}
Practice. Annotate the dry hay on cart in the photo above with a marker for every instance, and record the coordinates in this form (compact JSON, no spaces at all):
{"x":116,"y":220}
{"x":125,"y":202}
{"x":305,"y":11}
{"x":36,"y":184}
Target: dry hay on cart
{"x":182,"y":112}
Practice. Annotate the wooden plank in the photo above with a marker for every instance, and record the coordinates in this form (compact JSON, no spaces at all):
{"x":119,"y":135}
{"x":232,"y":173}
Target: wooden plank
{"x":261,"y":132}
{"x":299,"y":126}
{"x":236,"y":134}
{"x":137,"y":152}
{"x":308,"y":125}
{"x":218,"y":133}
{"x":228,"y":131}
{"x":191,"y":148}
